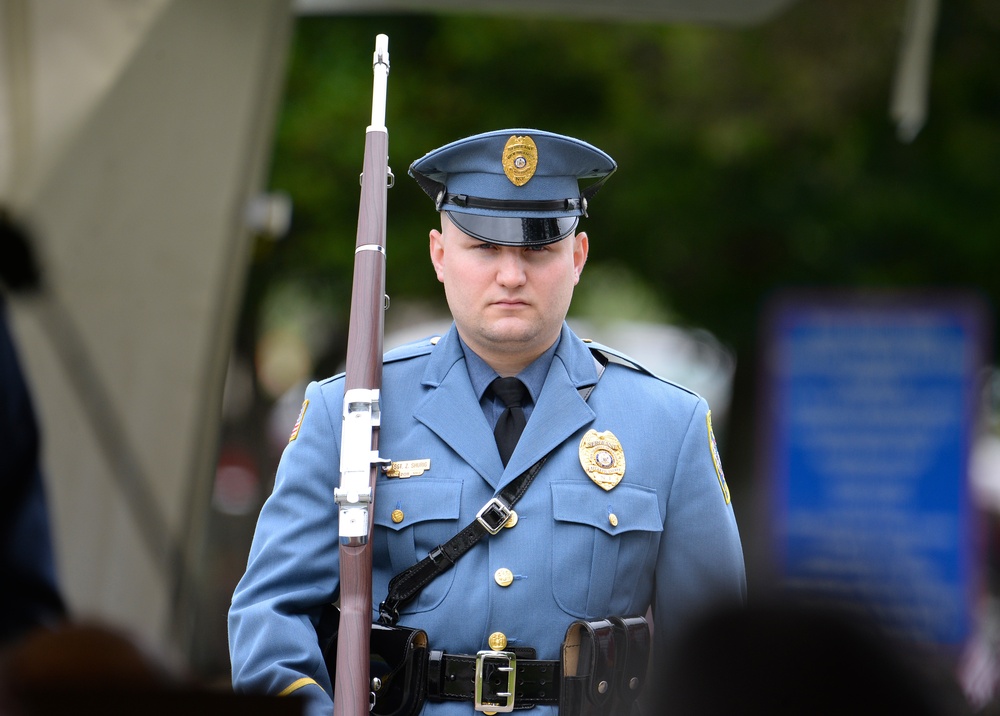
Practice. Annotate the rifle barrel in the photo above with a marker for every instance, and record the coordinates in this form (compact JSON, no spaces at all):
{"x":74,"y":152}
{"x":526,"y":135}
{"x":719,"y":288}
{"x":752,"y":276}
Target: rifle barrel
{"x":359,"y":438}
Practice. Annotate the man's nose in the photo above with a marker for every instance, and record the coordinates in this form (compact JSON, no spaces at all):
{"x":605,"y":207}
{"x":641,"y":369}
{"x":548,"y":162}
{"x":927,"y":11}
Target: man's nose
{"x":510,"y":272}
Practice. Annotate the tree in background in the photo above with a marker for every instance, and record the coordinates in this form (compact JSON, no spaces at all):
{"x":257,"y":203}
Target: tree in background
{"x":751,"y":159}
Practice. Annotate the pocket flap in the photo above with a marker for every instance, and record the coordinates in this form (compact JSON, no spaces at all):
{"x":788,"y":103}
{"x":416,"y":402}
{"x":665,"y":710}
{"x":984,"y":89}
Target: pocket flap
{"x":626,"y":508}
{"x":417,"y":501}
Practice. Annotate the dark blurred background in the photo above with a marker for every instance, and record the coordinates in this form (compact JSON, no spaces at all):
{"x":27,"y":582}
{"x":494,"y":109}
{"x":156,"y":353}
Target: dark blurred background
{"x":752,"y":160}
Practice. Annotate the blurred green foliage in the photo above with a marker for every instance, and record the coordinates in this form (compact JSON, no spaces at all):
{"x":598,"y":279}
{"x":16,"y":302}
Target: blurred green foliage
{"x":750,"y":159}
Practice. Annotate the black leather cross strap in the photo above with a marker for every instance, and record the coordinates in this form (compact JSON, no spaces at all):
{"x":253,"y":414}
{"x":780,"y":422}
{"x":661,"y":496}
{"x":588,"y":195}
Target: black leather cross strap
{"x":453,"y":677}
{"x":490,"y":520}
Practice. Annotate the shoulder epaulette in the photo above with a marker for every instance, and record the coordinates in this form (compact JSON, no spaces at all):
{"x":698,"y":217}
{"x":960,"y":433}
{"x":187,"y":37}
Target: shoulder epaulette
{"x":407,"y":350}
{"x":416,"y":348}
{"x":610,"y":355}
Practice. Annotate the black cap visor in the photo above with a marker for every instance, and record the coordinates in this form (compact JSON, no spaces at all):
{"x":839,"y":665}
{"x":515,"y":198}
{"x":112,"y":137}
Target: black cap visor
{"x":513,"y":230}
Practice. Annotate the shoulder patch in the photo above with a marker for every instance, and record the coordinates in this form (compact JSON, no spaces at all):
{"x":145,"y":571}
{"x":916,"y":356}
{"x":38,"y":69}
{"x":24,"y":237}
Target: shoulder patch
{"x":716,"y":460}
{"x":298,"y":422}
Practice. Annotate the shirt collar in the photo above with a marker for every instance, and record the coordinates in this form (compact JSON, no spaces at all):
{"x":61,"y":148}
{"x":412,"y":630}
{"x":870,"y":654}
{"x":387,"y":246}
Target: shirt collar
{"x":533,"y":376}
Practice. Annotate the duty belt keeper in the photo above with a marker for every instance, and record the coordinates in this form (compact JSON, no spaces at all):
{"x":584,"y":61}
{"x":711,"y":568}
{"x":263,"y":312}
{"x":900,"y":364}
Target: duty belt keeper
{"x":632,"y":647}
{"x":588,"y":669}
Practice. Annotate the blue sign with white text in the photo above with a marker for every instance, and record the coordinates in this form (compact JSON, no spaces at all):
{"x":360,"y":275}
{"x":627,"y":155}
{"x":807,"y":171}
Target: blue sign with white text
{"x":872,"y":402}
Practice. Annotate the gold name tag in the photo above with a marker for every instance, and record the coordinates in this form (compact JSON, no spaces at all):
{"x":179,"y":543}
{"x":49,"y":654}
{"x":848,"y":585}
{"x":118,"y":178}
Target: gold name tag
{"x":407,"y":468}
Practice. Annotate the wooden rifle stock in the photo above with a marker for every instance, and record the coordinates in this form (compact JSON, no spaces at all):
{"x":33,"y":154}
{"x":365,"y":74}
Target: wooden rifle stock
{"x":359,"y":441}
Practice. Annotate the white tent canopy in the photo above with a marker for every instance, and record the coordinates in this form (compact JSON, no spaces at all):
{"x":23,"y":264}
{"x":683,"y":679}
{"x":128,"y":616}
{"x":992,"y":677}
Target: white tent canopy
{"x":132,"y":136}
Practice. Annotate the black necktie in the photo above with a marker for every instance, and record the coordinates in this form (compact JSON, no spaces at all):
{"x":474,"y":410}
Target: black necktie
{"x":512,"y":421}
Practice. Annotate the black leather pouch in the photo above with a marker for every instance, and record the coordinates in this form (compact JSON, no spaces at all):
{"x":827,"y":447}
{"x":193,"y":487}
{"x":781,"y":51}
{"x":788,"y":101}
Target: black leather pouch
{"x":604,"y":664}
{"x":632,"y":645}
{"x":398,"y":662}
{"x":588,"y":669}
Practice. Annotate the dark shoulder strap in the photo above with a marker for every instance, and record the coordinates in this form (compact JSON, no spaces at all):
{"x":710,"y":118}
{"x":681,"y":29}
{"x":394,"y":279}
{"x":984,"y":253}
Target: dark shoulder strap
{"x":490,"y":520}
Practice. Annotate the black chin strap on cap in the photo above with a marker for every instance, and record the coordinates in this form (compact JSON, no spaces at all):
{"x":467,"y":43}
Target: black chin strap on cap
{"x":514,"y":231}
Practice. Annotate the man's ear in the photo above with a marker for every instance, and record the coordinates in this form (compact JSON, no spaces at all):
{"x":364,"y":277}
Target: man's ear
{"x":581,"y":247}
{"x":436,"y":245}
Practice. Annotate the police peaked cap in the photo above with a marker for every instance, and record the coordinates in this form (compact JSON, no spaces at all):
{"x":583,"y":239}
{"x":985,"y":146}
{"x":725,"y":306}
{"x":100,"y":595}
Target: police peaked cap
{"x":514,"y":187}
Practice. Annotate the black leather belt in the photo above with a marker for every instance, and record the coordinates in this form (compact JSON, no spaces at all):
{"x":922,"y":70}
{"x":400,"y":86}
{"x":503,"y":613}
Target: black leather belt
{"x":486,"y":679}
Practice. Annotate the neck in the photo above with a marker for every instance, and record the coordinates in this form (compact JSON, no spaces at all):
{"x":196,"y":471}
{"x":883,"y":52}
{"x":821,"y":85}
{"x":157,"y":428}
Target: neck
{"x":507,"y":369}
{"x":506,"y":363}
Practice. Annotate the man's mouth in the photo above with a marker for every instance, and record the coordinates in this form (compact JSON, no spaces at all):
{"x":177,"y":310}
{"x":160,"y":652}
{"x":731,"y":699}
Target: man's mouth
{"x":510,"y":303}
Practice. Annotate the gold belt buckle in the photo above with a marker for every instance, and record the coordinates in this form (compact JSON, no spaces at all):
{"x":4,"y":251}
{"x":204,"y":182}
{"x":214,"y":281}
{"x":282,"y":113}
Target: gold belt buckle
{"x":507,"y":664}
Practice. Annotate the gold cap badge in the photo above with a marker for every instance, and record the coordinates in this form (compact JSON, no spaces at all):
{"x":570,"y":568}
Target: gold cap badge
{"x":602,"y":458}
{"x":520,"y":158}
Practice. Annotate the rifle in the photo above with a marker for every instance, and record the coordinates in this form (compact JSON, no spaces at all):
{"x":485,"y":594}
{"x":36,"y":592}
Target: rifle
{"x":359,"y":440}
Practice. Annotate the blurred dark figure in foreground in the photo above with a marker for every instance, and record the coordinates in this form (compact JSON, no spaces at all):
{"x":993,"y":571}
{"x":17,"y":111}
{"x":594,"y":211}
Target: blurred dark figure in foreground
{"x":781,"y":658}
{"x":94,"y":668}
{"x":79,"y":656}
{"x":30,"y":596}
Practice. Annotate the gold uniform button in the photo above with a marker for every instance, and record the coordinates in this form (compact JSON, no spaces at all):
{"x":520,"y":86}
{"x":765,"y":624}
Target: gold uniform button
{"x":498,"y":641}
{"x":511,"y":521}
{"x":504,"y":577}
{"x":613,"y":519}
{"x":397,"y":516}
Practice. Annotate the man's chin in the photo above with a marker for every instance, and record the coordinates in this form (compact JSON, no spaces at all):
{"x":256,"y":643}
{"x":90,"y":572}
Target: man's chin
{"x":512,"y":330}
{"x":519,"y":339}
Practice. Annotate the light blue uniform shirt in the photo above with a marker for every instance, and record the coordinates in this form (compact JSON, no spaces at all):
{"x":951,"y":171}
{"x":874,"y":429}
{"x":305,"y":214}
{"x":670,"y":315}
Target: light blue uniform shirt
{"x":664,"y":538}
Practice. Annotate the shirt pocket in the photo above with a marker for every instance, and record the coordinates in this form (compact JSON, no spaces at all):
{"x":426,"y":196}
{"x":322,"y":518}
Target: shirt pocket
{"x":415,"y":516}
{"x":604,"y":546}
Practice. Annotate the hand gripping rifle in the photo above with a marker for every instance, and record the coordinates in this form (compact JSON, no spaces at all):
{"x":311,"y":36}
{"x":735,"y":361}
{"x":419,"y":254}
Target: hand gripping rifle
{"x":359,"y":458}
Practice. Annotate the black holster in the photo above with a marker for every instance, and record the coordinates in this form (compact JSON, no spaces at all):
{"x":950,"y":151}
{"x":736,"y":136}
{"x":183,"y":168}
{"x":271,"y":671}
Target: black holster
{"x":604,"y":666}
{"x":398,"y":661}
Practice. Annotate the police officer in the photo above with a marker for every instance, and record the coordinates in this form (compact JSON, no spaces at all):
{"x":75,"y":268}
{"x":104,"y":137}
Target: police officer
{"x":630,"y":511}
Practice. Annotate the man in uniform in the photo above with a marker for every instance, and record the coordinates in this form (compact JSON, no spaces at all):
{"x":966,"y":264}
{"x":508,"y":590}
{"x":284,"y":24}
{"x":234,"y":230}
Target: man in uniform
{"x":629,"y":514}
